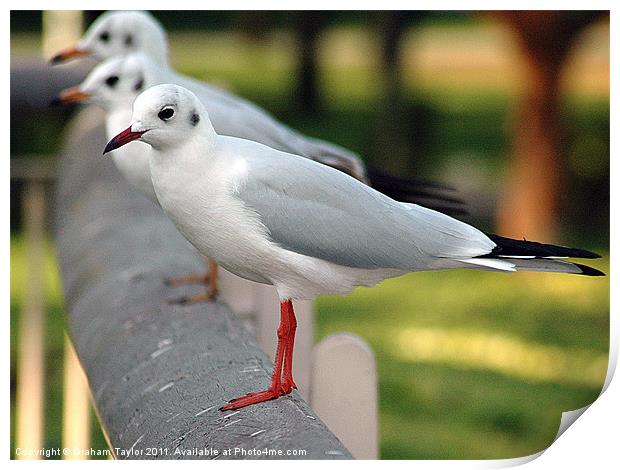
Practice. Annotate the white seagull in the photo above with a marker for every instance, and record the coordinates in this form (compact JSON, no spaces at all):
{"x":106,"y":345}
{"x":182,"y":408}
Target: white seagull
{"x":114,"y":85}
{"x":303,"y":227}
{"x":122,"y":33}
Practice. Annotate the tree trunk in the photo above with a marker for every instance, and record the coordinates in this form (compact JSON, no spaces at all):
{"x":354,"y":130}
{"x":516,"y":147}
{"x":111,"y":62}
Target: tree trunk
{"x":308,"y":28}
{"x":393,"y":145}
{"x":532,"y":202}
{"x":535,"y":177}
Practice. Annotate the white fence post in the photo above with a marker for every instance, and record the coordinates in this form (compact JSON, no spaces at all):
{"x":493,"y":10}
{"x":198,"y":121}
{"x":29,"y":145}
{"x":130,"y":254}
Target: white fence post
{"x":30,"y":366}
{"x":76,"y":406}
{"x":238,"y":293}
{"x":61,"y":28}
{"x":344,"y":392}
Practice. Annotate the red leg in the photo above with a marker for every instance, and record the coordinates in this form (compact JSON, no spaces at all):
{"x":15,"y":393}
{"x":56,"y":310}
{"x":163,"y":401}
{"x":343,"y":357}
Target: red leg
{"x":275,"y":389}
{"x":288,"y":383}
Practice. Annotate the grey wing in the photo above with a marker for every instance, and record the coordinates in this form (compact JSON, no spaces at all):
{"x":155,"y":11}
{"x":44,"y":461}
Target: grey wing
{"x":317,"y":211}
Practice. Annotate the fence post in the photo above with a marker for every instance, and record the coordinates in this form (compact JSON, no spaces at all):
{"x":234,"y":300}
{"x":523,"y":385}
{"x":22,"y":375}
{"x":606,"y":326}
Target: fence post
{"x":76,"y":407}
{"x":344,"y":392}
{"x":30,"y":350}
{"x":61,"y":28}
{"x":238,"y":293}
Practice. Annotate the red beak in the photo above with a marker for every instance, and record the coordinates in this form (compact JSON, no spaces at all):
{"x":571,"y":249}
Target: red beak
{"x":67,"y":54}
{"x":121,"y":139}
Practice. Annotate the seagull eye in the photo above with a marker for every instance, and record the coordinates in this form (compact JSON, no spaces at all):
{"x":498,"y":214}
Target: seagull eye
{"x":111,"y":81}
{"x":166,"y":113}
{"x":104,"y":37}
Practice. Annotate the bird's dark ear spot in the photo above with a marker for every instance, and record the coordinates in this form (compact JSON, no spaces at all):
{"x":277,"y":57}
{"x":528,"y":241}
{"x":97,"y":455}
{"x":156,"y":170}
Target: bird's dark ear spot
{"x":195,"y":119}
{"x":129,"y":40}
{"x":139,"y":84}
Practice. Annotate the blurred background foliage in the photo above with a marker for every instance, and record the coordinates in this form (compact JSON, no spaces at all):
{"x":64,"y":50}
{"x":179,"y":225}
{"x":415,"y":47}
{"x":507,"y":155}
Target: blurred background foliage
{"x":472,"y":365}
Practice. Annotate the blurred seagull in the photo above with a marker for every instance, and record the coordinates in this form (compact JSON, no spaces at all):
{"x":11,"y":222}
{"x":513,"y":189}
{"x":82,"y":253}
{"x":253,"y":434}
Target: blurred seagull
{"x":114,"y":85}
{"x":118,"y":33}
{"x":303,"y":227}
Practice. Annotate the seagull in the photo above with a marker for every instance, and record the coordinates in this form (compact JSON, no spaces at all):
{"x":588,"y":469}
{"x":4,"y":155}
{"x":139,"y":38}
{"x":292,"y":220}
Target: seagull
{"x":121,"y":33}
{"x":303,"y":227}
{"x":113,"y":85}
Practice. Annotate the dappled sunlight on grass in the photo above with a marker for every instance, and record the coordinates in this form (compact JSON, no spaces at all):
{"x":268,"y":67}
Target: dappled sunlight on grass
{"x":449,"y":438}
{"x":434,"y":411}
{"x":501,"y":353}
{"x":588,"y":295}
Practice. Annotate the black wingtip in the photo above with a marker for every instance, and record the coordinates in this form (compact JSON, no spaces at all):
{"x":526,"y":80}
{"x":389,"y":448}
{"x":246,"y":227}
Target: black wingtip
{"x":510,"y":247}
{"x":414,"y":191}
{"x":382,"y":177}
{"x":589,"y":271}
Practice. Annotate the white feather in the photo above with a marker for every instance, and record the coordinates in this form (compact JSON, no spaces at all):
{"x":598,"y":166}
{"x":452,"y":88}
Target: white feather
{"x":498,"y":264}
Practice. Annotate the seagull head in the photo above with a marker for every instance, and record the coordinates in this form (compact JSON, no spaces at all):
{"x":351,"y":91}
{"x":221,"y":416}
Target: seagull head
{"x":113,"y":83}
{"x":164,"y":116}
{"x":119,"y":33}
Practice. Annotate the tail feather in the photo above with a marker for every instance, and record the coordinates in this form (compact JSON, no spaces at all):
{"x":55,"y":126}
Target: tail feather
{"x":555,"y":266}
{"x":489,"y":264}
{"x":589,"y":270}
{"x":524,"y":255}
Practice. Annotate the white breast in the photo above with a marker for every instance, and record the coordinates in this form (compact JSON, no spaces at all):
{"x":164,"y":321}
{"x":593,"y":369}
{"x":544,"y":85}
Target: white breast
{"x":198,"y":196}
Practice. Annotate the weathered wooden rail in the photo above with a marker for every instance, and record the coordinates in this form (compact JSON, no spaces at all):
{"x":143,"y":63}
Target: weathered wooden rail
{"x":157,"y":372}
